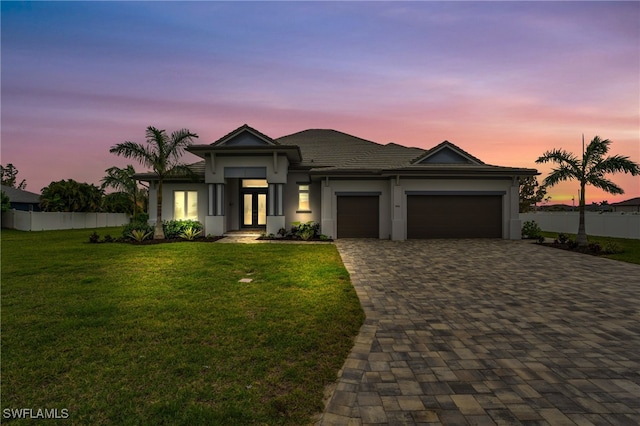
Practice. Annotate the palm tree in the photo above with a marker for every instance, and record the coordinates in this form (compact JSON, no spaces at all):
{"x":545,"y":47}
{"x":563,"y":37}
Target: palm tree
{"x":588,"y":171}
{"x":123,"y":181}
{"x":162,"y":154}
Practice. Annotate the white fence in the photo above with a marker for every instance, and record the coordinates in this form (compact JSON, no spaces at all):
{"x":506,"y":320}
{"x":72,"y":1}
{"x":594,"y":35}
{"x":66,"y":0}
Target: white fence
{"x":620,"y":225}
{"x":46,"y":221}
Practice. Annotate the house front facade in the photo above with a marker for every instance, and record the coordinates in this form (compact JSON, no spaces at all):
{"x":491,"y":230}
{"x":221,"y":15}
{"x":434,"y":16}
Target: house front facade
{"x":352,"y":187}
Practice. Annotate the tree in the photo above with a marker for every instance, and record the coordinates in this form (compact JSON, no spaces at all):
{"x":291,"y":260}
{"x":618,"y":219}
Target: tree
{"x":6,"y":203}
{"x":116,"y":202}
{"x":531,"y":193}
{"x":162,"y":154}
{"x":71,"y":196}
{"x":591,"y":170}
{"x":123,"y":181}
{"x":10,"y":177}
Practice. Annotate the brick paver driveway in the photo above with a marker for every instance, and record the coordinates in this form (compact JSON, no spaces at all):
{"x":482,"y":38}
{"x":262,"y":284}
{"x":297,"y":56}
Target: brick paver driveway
{"x":489,"y":332}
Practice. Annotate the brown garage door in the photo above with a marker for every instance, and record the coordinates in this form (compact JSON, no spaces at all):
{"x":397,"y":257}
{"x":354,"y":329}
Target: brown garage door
{"x":358,"y":216}
{"x":454,"y":216}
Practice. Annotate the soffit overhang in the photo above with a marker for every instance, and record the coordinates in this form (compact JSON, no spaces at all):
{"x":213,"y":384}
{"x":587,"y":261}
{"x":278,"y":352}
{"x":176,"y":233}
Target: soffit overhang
{"x":292,"y":152}
{"x":429,"y":172}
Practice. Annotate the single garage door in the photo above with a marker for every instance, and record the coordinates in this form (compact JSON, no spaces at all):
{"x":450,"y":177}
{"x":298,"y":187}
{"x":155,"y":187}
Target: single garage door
{"x":454,"y":216}
{"x":358,"y":216}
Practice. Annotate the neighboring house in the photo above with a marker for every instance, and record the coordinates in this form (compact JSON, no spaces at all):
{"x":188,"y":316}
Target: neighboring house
{"x":627,"y":206}
{"x":22,"y":200}
{"x":351,"y":186}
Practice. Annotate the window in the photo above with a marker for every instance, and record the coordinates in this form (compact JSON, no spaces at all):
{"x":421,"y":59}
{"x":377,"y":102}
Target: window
{"x":254,"y":183}
{"x":185,"y":205}
{"x":303,"y":198}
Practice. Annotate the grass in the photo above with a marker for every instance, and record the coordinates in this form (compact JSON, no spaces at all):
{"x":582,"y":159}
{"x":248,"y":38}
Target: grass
{"x":629,"y":248}
{"x":165,"y":334}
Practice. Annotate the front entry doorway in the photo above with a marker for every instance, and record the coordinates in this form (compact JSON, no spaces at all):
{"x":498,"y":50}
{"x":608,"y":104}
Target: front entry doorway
{"x":253,"y":199}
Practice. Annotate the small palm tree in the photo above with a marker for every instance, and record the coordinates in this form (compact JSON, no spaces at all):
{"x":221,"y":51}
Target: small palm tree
{"x":588,"y":171}
{"x":162,"y":154}
{"x":122,"y":180}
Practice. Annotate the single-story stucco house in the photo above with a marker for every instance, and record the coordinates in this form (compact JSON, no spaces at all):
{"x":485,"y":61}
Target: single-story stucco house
{"x":351,"y":186}
{"x":628,"y":206}
{"x":21,"y":199}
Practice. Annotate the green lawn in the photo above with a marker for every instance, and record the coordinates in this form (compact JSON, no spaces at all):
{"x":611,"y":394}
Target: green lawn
{"x":165,"y":334}
{"x":629,"y":248}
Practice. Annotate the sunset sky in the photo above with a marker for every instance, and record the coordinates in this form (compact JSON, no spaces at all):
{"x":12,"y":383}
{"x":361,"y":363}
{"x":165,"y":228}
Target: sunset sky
{"x":505,"y":81}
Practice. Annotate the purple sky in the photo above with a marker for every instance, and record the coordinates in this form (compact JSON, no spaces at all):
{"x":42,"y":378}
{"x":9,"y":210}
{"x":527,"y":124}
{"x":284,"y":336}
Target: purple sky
{"x":505,"y":81}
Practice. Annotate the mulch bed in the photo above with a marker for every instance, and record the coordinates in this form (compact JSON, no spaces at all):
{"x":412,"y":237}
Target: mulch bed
{"x":311,"y":240}
{"x":174,"y":240}
{"x":592,"y":249}
{"x":152,"y":242}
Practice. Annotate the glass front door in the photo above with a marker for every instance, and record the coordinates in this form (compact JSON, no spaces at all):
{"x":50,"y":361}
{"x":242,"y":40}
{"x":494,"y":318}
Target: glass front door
{"x":254,"y":203}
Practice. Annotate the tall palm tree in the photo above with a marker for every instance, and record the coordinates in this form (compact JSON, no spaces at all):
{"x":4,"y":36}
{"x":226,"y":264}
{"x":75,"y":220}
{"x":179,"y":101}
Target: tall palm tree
{"x":162,"y":154}
{"x":122,"y":180}
{"x":590,"y":170}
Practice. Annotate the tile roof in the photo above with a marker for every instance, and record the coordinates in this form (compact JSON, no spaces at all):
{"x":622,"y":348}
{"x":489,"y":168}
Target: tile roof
{"x":20,"y":196}
{"x":630,"y":202}
{"x":328,"y":148}
{"x":197,"y":168}
{"x":327,"y":151}
{"x":330,"y":151}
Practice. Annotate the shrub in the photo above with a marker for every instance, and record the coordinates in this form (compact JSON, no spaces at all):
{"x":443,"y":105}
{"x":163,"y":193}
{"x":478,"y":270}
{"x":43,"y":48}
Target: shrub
{"x":108,"y":239}
{"x":595,"y":248}
{"x":190,"y":233}
{"x":141,"y":217}
{"x":530,"y":229}
{"x":563,"y":238}
{"x":305,"y":231}
{"x":140,"y":235}
{"x":611,"y":247}
{"x":94,"y":238}
{"x":140,"y":226}
{"x":175,"y":228}
{"x":540,"y":239}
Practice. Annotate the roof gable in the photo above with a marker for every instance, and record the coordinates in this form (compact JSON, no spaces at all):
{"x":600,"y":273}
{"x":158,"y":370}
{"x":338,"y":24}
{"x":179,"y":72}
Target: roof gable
{"x":447,"y":153}
{"x":245,"y":135}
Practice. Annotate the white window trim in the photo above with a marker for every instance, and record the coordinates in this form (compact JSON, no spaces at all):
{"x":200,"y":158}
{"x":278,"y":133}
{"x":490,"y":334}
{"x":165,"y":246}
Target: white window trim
{"x":185,"y":208}
{"x":304,"y":188}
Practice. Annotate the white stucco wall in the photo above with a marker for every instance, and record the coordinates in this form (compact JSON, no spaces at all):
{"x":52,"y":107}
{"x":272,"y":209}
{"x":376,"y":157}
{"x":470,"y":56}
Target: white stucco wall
{"x":276,"y":170}
{"x":291,"y":212}
{"x":168,"y":200}
{"x":323,"y":197}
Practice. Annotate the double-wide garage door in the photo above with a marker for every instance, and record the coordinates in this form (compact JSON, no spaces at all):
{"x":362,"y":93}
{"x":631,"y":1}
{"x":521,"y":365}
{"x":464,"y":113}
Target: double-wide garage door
{"x":358,"y":216}
{"x":454,"y":216}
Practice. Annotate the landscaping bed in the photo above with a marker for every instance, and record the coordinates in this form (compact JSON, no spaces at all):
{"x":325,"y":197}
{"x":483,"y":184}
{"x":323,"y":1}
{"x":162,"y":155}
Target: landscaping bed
{"x":594,"y":249}
{"x":95,"y":238}
{"x":623,"y":249}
